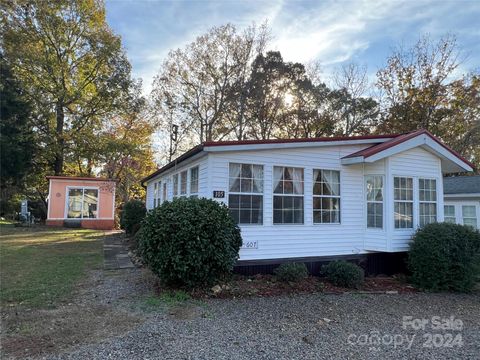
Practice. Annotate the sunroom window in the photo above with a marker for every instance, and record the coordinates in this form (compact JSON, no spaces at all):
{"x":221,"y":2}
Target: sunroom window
{"x":326,"y":196}
{"x":374,"y":189}
{"x":245,"y":198}
{"x":288,"y":185}
{"x":82,"y":203}
{"x":403,"y":202}
{"x":427,"y":191}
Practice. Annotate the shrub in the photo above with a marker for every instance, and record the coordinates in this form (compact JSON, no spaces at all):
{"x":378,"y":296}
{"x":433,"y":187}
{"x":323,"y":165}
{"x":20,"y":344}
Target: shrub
{"x":190,"y":242}
{"x":132,"y":215}
{"x":445,"y":257}
{"x":291,"y":272}
{"x":343,"y":273}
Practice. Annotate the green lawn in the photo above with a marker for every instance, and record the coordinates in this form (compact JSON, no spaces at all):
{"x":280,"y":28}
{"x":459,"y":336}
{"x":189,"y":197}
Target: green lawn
{"x":40,"y":266}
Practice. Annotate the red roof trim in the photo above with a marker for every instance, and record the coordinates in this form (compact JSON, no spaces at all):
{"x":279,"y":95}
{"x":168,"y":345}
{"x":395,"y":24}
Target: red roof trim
{"x":372,"y":150}
{"x":84,"y":178}
{"x":302,"y":140}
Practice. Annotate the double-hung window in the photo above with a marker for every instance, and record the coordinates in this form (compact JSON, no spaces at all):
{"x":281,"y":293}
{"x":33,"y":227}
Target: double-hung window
{"x":194,"y":181}
{"x":374,"y":190}
{"x":326,"y":196}
{"x":155,"y":191}
{"x":403,"y":202}
{"x":159,"y":192}
{"x":288,"y":185}
{"x":164,"y":195}
{"x":449,"y":214}
{"x":427,"y":191}
{"x":82,"y":203}
{"x":175,"y":185}
{"x":469,"y":215}
{"x":245,"y":198}
{"x":183,"y":182}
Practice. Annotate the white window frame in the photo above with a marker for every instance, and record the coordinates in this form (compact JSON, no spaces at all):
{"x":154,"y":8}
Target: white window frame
{"x":155,"y":189}
{"x":469,"y":217}
{"x":445,"y":216}
{"x":404,"y":202}
{"x":191,"y":180}
{"x":67,"y":197}
{"x":420,"y":202}
{"x":181,"y":182}
{"x":375,"y":201}
{"x":175,"y":185}
{"x":289,"y":195}
{"x":164,"y":192}
{"x":240,"y":193}
{"x":339,"y":197}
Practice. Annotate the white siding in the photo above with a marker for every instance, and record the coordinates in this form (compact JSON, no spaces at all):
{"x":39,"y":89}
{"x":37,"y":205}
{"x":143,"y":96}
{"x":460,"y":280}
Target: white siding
{"x":283,"y":241}
{"x":416,"y":163}
{"x":167,"y":176}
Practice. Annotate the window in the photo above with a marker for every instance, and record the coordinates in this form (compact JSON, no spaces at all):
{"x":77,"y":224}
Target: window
{"x":403,"y":202}
{"x":183,"y":182}
{"x":326,"y":196}
{"x":449,"y":214}
{"x":245,"y":198}
{"x":374,"y":190}
{"x":469,"y":215}
{"x":427,"y":191}
{"x":159,"y":187}
{"x":175,"y":185}
{"x":155,"y":190}
{"x":194,"y":180}
{"x":288,"y":195}
{"x":164,"y":195}
{"x":82,"y":203}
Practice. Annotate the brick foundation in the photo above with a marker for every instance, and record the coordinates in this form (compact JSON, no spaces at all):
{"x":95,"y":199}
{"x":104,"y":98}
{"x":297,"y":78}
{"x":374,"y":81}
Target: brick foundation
{"x":86,"y":224}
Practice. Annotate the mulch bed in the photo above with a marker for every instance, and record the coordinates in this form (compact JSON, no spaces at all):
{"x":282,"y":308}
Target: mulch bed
{"x":268,"y":285}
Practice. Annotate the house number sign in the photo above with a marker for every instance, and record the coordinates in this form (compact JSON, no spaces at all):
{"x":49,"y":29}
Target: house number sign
{"x":217,"y":194}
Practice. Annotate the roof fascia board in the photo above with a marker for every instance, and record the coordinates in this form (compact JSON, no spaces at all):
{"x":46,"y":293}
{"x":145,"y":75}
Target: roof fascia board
{"x":446,"y":154}
{"x":291,"y":145}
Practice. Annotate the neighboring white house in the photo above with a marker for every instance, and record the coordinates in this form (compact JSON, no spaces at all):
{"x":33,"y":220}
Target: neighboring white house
{"x":317,"y":198}
{"x":462,"y":200}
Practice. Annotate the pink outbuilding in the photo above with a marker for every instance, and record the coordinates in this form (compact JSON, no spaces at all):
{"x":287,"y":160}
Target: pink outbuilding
{"x":81,"y":202}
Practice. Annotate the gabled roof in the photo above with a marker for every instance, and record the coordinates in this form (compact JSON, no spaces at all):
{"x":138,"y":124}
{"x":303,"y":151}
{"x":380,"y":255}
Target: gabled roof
{"x":452,"y":160}
{"x":461,"y":185}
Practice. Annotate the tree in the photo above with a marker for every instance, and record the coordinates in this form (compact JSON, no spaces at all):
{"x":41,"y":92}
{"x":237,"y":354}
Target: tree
{"x":355,"y":112}
{"x":17,"y":139}
{"x":71,"y":65}
{"x":201,"y":86}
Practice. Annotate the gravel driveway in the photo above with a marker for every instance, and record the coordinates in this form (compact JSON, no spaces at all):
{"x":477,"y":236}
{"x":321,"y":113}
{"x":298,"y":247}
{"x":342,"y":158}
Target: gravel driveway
{"x":300,"y":327}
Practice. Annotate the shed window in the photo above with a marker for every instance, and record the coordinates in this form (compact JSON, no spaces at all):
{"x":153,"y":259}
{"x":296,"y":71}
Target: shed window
{"x":82,"y":203}
{"x":449,"y":211}
{"x":288,"y":189}
{"x":469,"y":215}
{"x":245,"y":198}
{"x":403,"y":202}
{"x":374,"y":190}
{"x":427,"y":191}
{"x":194,"y":180}
{"x":326,"y":196}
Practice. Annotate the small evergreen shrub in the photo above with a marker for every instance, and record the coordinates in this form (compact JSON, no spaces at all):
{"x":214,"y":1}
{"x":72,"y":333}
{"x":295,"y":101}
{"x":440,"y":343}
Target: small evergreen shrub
{"x":445,"y":257}
{"x":344,"y":274}
{"x":291,"y":272}
{"x":190,"y":242}
{"x":132,"y":215}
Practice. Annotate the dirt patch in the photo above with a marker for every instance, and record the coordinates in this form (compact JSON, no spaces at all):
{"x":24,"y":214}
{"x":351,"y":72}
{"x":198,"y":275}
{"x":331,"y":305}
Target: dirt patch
{"x":39,"y":332}
{"x":268,"y":285}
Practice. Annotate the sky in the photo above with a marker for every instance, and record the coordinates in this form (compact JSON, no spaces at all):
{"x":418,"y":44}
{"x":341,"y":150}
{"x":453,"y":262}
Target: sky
{"x":329,"y":32}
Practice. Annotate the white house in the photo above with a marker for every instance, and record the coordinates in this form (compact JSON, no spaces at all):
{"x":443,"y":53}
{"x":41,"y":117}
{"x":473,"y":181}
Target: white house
{"x":314,"y":199}
{"x":462,"y":200}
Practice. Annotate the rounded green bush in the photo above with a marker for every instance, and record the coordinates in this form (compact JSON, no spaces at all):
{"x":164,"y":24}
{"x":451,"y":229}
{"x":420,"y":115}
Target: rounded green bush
{"x":133,"y":213}
{"x":291,"y":272}
{"x":344,"y":274}
{"x":190,"y":242}
{"x":445,"y":257}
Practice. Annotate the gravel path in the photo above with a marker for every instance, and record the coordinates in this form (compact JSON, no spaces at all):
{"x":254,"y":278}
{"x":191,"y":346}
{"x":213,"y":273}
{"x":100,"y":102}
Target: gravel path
{"x":299,"y":327}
